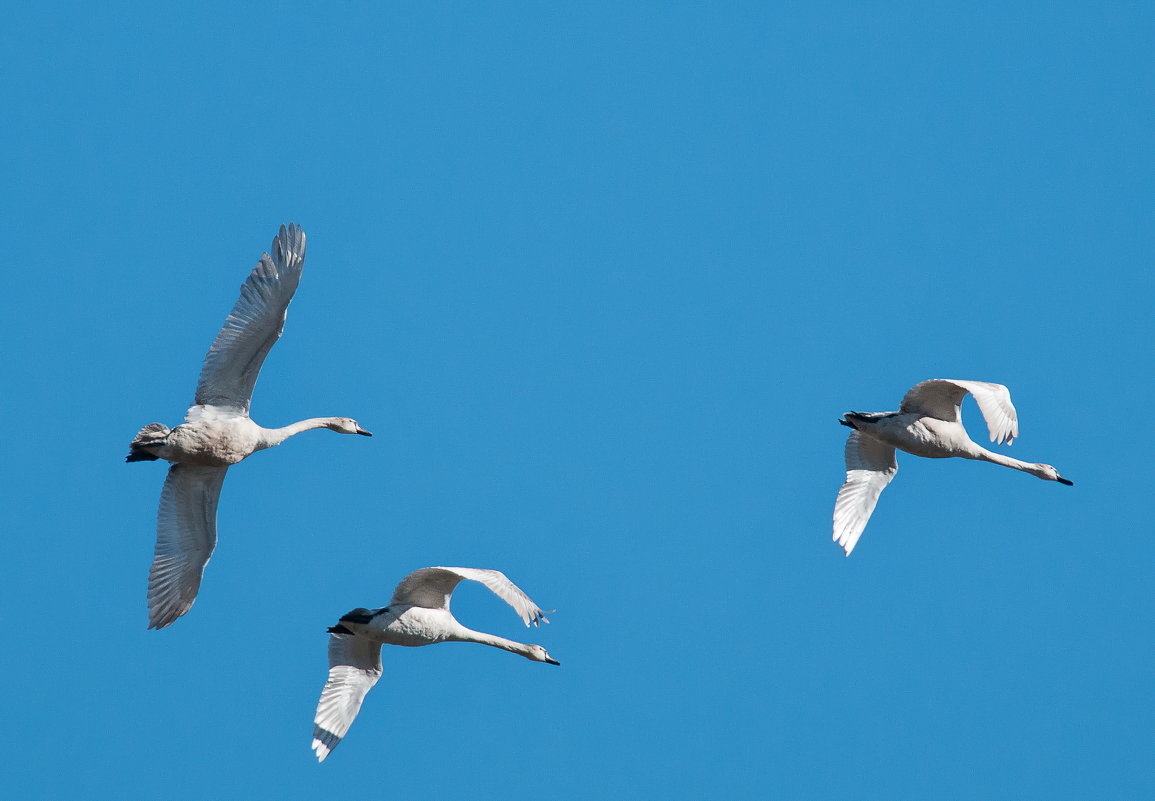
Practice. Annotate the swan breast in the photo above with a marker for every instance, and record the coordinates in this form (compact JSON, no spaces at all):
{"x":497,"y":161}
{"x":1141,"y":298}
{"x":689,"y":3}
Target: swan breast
{"x":213,"y":443}
{"x":410,"y":626}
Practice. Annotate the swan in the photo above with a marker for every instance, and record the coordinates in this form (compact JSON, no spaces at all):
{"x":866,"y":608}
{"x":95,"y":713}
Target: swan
{"x":217,"y":431}
{"x":418,"y":614}
{"x":928,"y":423}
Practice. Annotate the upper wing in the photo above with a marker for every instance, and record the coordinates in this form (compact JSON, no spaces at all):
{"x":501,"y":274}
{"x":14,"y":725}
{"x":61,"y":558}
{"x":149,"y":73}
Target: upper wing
{"x":870,"y":465}
{"x":431,"y":587}
{"x":186,"y":533}
{"x":354,"y":667}
{"x":255,"y":323}
{"x":942,"y":398}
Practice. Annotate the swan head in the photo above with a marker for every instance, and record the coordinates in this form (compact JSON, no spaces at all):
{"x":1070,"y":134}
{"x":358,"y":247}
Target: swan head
{"x":346,"y":425}
{"x":539,"y":654}
{"x":1049,"y":473}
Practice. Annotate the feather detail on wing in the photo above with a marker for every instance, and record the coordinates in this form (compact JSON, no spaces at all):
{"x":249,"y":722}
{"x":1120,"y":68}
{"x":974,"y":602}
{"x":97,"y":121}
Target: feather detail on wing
{"x":233,"y":362}
{"x":870,"y":466}
{"x":941,"y":398}
{"x":432,"y":587}
{"x":186,"y":533}
{"x":354,"y":667}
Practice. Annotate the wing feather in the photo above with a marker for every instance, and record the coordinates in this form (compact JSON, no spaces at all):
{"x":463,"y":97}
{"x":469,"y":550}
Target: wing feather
{"x":233,"y":362}
{"x":870,"y":466}
{"x":186,"y":533}
{"x":354,"y":667}
{"x":942,"y":398}
{"x":432,"y":587}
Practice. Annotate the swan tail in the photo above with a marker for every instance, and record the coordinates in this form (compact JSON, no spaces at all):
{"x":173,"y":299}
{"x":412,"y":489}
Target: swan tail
{"x":860,"y":420}
{"x":855,"y":420}
{"x":152,"y":435}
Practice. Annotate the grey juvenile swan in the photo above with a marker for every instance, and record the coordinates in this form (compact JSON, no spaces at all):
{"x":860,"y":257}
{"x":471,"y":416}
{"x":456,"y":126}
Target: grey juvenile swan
{"x":418,"y":614}
{"x":217,"y":431}
{"x":928,"y":423}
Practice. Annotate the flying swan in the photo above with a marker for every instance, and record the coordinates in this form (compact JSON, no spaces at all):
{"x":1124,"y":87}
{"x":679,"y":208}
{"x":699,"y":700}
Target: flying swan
{"x":928,"y":423}
{"x":418,"y":614}
{"x":217,"y":431}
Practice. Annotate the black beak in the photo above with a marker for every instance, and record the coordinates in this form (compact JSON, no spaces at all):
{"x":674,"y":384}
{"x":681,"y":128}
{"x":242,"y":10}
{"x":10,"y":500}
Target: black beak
{"x":1066,"y":481}
{"x":363,"y":432}
{"x":552,"y":661}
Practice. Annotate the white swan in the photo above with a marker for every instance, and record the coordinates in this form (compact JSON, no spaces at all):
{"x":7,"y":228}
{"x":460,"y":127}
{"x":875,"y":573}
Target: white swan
{"x":928,"y":423}
{"x":217,"y":431}
{"x":418,"y":614}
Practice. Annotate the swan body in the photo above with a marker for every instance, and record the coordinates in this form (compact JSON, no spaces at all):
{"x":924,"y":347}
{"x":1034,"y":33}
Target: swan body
{"x":223,"y":441}
{"x":418,"y":614}
{"x":218,"y":432}
{"x":928,"y":424}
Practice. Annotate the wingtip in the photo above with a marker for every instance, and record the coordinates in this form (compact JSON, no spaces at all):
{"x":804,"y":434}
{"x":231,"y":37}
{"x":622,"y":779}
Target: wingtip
{"x":161,"y":622}
{"x":293,"y":230}
{"x":162,"y":611}
{"x":536,"y":621}
{"x":324,"y":747}
{"x":289,"y":241}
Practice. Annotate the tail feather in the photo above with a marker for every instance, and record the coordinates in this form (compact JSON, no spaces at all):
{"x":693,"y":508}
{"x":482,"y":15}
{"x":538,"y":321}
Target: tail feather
{"x":850,"y":418}
{"x":854,"y":419}
{"x":152,"y":435}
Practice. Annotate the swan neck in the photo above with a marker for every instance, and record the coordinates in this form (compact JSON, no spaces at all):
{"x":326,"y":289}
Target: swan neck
{"x":271,"y":437}
{"x":1005,"y":461}
{"x":469,"y":635}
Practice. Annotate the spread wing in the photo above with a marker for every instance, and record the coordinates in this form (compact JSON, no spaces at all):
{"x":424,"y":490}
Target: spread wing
{"x":354,"y":667}
{"x":870,"y":465}
{"x":942,"y":398}
{"x":255,"y":323}
{"x":431,"y":587}
{"x":186,"y":533}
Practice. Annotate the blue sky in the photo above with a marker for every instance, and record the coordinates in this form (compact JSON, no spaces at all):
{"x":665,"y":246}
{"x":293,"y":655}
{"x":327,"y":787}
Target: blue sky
{"x":601,"y":278}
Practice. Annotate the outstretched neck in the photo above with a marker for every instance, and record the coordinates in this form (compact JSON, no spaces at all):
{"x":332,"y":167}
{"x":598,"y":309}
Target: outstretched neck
{"x":271,"y":437}
{"x":1005,"y":461}
{"x":469,"y":635}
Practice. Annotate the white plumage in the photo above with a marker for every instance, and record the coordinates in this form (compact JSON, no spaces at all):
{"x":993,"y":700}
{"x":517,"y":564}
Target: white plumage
{"x":217,"y":431}
{"x":418,"y":614}
{"x":928,"y":423}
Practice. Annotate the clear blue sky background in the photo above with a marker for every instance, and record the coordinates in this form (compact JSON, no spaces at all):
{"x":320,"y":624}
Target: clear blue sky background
{"x":601,"y":277}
